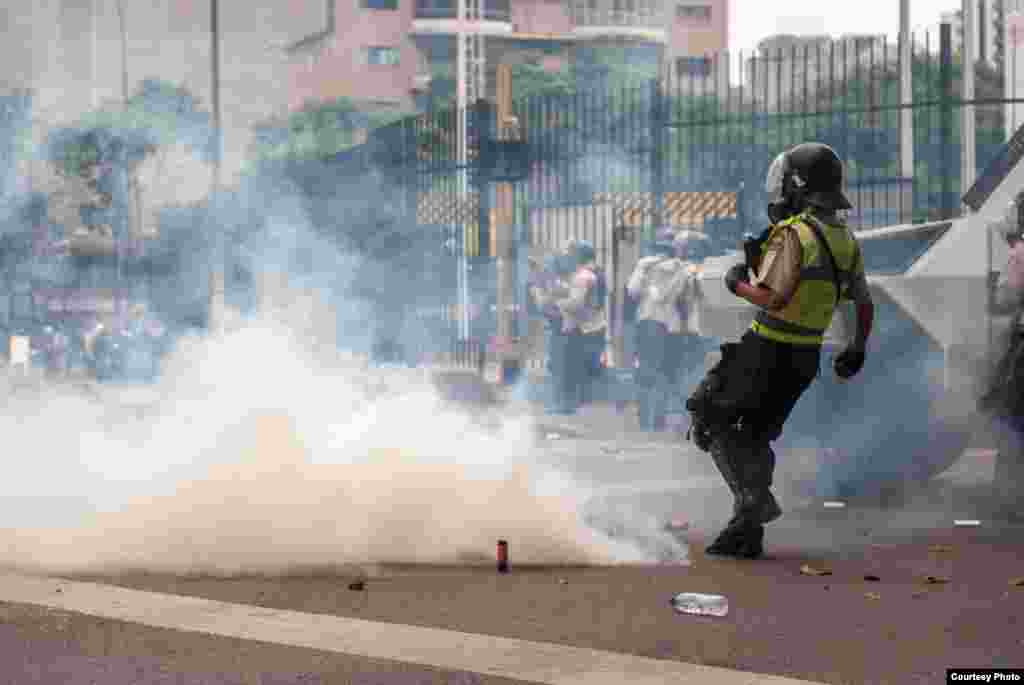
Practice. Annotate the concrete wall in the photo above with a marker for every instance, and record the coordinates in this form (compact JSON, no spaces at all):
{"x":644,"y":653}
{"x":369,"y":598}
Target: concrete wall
{"x":70,"y":52}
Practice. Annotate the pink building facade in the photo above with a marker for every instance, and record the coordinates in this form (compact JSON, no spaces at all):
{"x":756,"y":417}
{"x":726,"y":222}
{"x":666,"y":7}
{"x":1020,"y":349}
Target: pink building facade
{"x":383,"y":53}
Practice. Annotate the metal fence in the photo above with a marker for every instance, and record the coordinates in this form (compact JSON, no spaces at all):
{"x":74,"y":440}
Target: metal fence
{"x":686,"y":150}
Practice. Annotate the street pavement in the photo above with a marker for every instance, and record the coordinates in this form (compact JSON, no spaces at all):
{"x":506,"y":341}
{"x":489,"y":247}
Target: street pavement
{"x":896,"y":612}
{"x":903,"y":592}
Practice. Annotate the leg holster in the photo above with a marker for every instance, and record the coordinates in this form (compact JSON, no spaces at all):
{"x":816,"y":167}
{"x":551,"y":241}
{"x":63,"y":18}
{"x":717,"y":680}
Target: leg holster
{"x":710,"y":413}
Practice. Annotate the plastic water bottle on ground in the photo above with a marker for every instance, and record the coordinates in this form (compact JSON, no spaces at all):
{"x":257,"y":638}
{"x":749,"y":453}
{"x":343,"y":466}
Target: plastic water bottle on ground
{"x":700,"y":604}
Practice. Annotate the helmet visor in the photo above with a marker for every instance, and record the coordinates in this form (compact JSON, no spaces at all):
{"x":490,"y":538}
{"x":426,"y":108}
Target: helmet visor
{"x":776,"y":174}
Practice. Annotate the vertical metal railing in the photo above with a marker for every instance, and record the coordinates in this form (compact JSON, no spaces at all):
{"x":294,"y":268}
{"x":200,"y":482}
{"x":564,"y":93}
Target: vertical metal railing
{"x":630,"y":151}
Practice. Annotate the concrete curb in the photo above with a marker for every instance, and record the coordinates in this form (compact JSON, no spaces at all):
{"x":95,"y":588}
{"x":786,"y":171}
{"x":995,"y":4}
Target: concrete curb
{"x":518,"y":659}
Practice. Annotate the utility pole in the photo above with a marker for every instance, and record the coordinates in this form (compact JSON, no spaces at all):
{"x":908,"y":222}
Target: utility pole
{"x":906,"y":111}
{"x":463,"y":159}
{"x":968,"y":165}
{"x":125,"y":224}
{"x":216,"y":296}
{"x":124,"y":51}
{"x":946,"y":117}
{"x":503,"y":225}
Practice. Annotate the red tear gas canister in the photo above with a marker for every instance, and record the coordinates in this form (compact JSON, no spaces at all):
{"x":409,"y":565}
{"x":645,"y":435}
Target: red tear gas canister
{"x":502,"y":556}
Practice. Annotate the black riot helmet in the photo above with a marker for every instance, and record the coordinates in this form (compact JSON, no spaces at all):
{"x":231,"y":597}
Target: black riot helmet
{"x":810,"y":174}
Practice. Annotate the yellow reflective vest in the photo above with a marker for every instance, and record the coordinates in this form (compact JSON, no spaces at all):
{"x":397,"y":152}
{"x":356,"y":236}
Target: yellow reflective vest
{"x":804,"y":320}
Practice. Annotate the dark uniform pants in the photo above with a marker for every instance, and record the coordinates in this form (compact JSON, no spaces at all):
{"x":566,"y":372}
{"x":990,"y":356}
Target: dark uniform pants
{"x":1005,"y":404}
{"x":556,"y":348}
{"x":659,"y":354}
{"x":763,"y":381}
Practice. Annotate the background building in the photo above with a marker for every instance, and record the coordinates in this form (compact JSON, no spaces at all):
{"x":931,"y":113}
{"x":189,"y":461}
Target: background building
{"x":278,"y":55}
{"x":988,"y":20}
{"x":81,"y":54}
{"x":787,"y":67}
{"x":387,"y":53}
{"x":1013,"y":41}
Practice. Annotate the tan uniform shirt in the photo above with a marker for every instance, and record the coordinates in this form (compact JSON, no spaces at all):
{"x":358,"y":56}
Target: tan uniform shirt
{"x":780,"y":271}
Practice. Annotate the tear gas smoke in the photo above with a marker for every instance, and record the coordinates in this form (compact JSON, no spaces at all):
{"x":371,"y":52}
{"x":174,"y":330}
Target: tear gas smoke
{"x":263,"y":457}
{"x":271,"y":450}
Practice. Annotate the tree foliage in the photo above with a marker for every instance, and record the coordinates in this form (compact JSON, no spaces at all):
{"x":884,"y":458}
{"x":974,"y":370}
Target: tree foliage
{"x":157,"y":114}
{"x":316,"y":131}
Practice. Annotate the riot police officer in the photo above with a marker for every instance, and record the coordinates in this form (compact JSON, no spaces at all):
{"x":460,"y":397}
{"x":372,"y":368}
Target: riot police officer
{"x":796,"y":272}
{"x":1003,"y":400}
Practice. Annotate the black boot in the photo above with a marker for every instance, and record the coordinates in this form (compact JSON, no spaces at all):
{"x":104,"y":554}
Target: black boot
{"x":721,"y":453}
{"x":742,"y":540}
{"x":731,"y":539}
{"x":756,"y":498}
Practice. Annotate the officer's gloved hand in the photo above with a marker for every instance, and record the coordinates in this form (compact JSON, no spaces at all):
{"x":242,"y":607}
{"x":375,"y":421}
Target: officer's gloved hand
{"x":735,"y":275}
{"x":849,"y":362}
{"x":699,"y":434}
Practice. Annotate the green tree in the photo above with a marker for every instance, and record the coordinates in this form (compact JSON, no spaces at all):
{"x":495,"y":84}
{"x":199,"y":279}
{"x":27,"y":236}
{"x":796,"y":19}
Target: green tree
{"x":100,"y":157}
{"x":318,"y":130}
{"x":157,"y":114}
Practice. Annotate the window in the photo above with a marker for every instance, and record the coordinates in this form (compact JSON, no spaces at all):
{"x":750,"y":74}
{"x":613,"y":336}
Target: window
{"x":693,"y":66}
{"x":380,"y":4}
{"x":386,"y":56}
{"x":435,"y":9}
{"x":699,"y":13}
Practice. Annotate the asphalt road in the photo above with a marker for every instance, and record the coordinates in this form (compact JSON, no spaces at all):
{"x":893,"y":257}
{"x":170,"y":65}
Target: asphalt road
{"x":840,"y":628}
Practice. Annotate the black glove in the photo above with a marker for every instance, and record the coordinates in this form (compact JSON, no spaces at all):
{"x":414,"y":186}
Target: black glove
{"x":699,"y":434}
{"x":734,"y":275}
{"x":849,"y":362}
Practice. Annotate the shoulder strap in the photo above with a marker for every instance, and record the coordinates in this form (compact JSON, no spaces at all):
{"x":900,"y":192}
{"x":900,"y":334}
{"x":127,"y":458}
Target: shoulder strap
{"x":816,"y":227}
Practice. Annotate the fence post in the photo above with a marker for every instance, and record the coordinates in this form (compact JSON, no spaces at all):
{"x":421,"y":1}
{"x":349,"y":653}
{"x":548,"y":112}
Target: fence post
{"x":483,"y":116}
{"x":946,"y":116}
{"x":741,"y":213}
{"x":657,"y":138}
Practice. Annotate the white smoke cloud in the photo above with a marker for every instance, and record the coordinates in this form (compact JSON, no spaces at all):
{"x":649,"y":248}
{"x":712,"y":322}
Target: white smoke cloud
{"x":270,"y":449}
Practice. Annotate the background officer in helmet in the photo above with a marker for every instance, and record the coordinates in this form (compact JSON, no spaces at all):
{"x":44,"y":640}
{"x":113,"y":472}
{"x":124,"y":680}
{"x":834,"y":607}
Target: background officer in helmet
{"x":661,"y":283}
{"x":796,"y":273}
{"x":585,"y":321}
{"x":1004,"y":399}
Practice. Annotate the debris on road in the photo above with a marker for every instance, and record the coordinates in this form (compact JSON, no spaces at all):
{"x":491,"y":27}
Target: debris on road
{"x":872,"y":578}
{"x":966,"y":523}
{"x":834,"y":505}
{"x":563,"y":581}
{"x":808,"y":570}
{"x":357,"y":586}
{"x":935,"y":580}
{"x":872,"y":595}
{"x":502,"y":556}
{"x":700,"y":604}
{"x":1017,"y":582}
{"x":941,"y":548}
